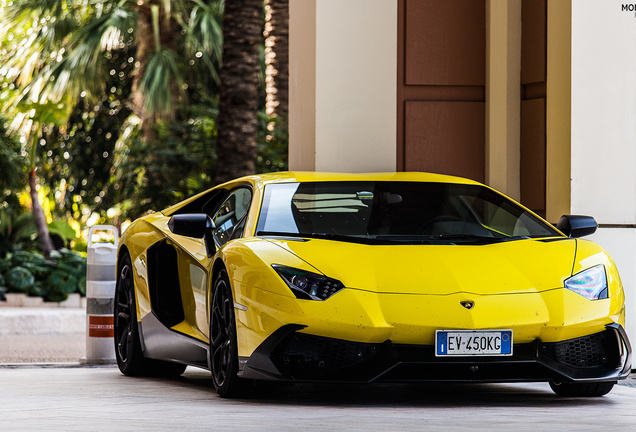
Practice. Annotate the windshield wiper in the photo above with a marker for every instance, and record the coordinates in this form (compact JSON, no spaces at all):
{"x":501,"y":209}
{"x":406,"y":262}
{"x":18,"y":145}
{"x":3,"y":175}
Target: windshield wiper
{"x":462,"y":237}
{"x":328,"y":236}
{"x":396,"y":238}
{"x":475,"y":238}
{"x":279,"y":234}
{"x":366,"y":239}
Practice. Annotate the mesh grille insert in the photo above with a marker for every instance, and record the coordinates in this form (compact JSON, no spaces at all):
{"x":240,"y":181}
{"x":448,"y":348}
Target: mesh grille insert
{"x":313,"y":352}
{"x":584,"y":352}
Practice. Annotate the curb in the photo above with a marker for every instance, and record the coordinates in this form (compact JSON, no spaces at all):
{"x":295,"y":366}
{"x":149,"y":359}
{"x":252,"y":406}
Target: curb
{"x":22,"y":300}
{"x":41,"y":321}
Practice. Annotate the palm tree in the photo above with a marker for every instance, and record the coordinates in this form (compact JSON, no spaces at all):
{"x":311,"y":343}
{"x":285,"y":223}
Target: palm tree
{"x":238,"y":98}
{"x":277,"y":57}
{"x":63,"y":56}
{"x":55,"y":52}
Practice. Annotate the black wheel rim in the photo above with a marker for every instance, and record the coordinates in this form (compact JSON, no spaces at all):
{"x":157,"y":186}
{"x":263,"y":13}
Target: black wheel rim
{"x":124,"y":313}
{"x":220,"y":333}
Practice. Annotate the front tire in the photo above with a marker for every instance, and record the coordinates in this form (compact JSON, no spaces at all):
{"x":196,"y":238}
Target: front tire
{"x":130,"y":358}
{"x":223,"y":342}
{"x":566,"y":389}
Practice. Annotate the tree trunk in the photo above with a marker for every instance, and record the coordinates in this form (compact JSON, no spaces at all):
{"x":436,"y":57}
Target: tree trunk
{"x":144,"y":47}
{"x":38,"y":216}
{"x":277,"y":57}
{"x":168,"y":35}
{"x":238,"y":93}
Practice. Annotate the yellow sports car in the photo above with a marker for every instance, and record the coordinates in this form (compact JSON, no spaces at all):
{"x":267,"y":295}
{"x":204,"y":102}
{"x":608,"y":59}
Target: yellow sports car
{"x":395,"y":277}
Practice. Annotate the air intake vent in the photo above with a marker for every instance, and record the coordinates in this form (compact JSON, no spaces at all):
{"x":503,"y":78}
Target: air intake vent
{"x":584,"y":352}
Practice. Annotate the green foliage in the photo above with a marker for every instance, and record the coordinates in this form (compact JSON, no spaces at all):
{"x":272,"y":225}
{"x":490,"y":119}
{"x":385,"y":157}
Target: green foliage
{"x":68,"y":68}
{"x":12,"y":164}
{"x":161,"y":77}
{"x":19,"y":280}
{"x":62,"y":229}
{"x":182,"y":162}
{"x":273,"y":138}
{"x":18,"y":233}
{"x":29,"y":273}
{"x":77,"y":159}
{"x":155,"y":175}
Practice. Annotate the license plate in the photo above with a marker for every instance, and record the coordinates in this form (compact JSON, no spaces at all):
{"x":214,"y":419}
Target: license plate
{"x":473,"y":343}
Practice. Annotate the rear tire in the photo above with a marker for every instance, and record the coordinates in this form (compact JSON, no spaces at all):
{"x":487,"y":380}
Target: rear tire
{"x":566,"y":389}
{"x":223,"y":343}
{"x":130,"y":358}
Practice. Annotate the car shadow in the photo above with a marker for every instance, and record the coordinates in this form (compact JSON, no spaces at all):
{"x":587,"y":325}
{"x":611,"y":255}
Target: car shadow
{"x":448,"y":395}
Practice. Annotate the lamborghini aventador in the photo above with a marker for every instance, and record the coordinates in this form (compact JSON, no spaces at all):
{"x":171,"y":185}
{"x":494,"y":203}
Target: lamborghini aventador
{"x":394,"y":277}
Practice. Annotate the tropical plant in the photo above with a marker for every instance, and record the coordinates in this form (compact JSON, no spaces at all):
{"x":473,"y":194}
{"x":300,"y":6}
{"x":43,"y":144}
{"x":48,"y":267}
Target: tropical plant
{"x":111,"y":98}
{"x":61,"y":57}
{"x":11,"y":163}
{"x":30,"y":273}
{"x":60,"y":53}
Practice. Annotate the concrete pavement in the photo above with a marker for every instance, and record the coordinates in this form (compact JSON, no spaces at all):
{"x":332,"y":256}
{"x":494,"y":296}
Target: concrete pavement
{"x":43,"y":386}
{"x":101,"y":399}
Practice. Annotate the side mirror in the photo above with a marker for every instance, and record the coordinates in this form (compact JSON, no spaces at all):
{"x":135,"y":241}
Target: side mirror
{"x":576,"y":225}
{"x":195,"y":225}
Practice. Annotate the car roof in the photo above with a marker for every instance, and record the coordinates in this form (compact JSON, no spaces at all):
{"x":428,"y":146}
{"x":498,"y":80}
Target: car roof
{"x":310,"y":176}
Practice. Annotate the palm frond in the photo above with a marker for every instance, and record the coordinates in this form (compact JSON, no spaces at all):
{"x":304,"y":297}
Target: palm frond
{"x":51,"y":77}
{"x":161,"y":78}
{"x":130,"y":129}
{"x":204,"y":34}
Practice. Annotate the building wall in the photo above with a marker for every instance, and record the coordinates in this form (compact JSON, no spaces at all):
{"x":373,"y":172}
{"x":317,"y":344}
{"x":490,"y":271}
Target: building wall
{"x":344,"y":53}
{"x":441,"y":87}
{"x":345,"y":103}
{"x":604,"y":131}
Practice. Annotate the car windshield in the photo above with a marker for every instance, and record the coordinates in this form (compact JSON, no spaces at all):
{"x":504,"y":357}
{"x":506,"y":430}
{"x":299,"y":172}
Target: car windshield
{"x":395,"y":212}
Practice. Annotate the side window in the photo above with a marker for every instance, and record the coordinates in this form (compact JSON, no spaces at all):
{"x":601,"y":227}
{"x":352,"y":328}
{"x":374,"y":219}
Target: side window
{"x":229,"y":217}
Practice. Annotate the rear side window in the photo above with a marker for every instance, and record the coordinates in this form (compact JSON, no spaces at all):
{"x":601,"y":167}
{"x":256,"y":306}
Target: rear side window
{"x":230,"y":216}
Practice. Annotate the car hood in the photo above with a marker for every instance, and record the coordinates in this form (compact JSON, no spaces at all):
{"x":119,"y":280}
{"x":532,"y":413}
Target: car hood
{"x":521,"y":266}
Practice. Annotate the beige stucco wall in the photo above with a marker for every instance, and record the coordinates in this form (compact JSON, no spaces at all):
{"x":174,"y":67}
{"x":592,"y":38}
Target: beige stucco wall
{"x":302,"y":85}
{"x":604,"y":131}
{"x":350,"y":79}
{"x":604,"y":111}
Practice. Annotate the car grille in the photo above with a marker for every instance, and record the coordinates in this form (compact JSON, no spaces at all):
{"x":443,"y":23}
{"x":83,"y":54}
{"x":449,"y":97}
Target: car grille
{"x":302,"y":351}
{"x":584,"y":352}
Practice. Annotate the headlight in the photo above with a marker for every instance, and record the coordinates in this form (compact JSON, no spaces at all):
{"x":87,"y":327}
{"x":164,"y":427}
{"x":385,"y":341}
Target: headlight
{"x":590,"y":283}
{"x":307,"y":285}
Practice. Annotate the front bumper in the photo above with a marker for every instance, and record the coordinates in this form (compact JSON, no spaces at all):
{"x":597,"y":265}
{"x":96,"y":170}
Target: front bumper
{"x":292,"y":356}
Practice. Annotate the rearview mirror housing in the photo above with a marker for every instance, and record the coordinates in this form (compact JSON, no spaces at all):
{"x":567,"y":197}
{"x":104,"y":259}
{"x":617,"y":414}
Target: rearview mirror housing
{"x":577,"y":225}
{"x":194,"y":225}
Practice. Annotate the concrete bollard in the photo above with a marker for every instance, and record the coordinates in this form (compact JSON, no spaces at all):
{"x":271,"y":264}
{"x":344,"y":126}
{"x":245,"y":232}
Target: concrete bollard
{"x":101,"y":278}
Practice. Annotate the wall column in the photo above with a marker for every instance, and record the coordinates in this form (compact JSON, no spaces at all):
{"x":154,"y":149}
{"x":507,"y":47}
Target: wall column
{"x":559,"y":108}
{"x":503,"y":100}
{"x":302,"y":85}
{"x":343,"y":81}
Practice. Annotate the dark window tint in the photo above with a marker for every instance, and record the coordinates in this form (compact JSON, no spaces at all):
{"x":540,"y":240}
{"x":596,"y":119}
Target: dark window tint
{"x":229,"y":217}
{"x":395,"y":210}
